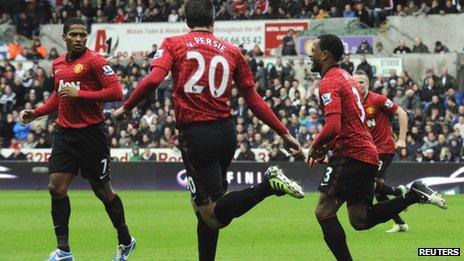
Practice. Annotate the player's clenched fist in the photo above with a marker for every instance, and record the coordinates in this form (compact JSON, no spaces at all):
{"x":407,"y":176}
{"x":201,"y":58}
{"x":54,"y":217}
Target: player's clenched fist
{"x":68,"y":92}
{"x":26,"y":116}
{"x":317,"y":155}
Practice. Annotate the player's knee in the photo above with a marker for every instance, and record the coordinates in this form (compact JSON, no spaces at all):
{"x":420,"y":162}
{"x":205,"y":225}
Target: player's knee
{"x":322,"y":212}
{"x":207,"y":215}
{"x":358,"y":223}
{"x":57,"y":191}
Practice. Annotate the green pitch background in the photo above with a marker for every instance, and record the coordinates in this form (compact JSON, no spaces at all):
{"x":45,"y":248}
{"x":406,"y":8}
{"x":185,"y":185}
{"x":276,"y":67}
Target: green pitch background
{"x":164,"y":226}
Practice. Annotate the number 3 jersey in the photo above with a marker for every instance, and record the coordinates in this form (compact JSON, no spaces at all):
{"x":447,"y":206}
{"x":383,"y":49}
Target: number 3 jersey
{"x":378,"y":110}
{"x":203,"y":68}
{"x":340,"y":93}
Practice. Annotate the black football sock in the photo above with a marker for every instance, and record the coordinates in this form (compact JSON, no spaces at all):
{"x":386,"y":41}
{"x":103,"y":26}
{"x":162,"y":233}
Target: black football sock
{"x":335,"y":238}
{"x":382,"y":188}
{"x":115,"y":211}
{"x":207,"y":240}
{"x":386,"y":210}
{"x":237,"y":203}
{"x":398,"y":220}
{"x":61,"y":210}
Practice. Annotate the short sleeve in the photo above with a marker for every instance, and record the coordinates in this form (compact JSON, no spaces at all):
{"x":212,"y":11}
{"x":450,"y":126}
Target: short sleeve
{"x":243,"y":76}
{"x":103,"y":72}
{"x":164,"y":56}
{"x":386,"y":104}
{"x":330,"y":98}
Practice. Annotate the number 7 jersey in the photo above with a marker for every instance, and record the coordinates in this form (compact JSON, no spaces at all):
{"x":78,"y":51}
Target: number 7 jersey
{"x":340,"y":93}
{"x":203,"y":68}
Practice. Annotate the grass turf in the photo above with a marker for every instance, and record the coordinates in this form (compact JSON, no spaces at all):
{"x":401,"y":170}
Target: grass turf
{"x":164,"y":226}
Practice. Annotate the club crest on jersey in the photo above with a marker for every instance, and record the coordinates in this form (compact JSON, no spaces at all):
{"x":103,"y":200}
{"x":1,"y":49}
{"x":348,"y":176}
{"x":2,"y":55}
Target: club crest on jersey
{"x":370,"y":110}
{"x":158,"y":54}
{"x":78,"y":68}
{"x":107,"y":70}
{"x":388,"y":103}
{"x":75,"y":85}
{"x":326,"y":98}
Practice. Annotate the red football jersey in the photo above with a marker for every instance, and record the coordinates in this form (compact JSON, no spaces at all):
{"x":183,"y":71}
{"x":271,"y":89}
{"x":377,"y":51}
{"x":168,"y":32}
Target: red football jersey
{"x":203,"y":68}
{"x":89,"y":72}
{"x":378,"y":110}
{"x":340,"y":93}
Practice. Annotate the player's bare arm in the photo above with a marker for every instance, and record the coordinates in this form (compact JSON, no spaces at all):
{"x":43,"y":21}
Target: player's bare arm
{"x":403,"y":122}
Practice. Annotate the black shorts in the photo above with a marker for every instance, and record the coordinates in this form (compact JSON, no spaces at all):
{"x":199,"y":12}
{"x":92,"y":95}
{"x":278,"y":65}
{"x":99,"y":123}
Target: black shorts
{"x":207,"y":150}
{"x":85,"y":150}
{"x":384,"y":160}
{"x":349,"y":180}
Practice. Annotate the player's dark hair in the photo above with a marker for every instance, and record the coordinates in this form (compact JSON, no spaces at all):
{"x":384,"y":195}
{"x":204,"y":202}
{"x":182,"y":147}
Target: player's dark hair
{"x":199,"y":13}
{"x":361,"y":72}
{"x":71,"y":21}
{"x":333,"y":44}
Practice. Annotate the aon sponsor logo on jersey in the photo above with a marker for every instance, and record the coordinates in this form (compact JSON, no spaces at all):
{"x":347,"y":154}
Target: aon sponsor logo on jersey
{"x":75,"y":85}
{"x":370,"y":123}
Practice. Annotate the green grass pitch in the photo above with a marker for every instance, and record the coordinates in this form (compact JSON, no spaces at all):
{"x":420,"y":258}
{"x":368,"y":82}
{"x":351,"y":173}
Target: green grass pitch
{"x":164,"y":226}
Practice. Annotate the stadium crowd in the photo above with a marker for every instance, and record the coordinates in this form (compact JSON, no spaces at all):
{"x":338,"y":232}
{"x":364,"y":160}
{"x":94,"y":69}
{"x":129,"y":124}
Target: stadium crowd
{"x":27,"y":15}
{"x":434,"y":104}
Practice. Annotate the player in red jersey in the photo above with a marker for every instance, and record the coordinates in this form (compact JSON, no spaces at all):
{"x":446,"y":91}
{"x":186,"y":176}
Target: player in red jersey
{"x":351,"y":170}
{"x":378,"y":110}
{"x":83,"y":81}
{"x":203,"y":68}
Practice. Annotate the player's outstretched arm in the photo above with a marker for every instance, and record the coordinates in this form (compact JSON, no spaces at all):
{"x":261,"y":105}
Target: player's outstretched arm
{"x":147,"y":86}
{"x":51,"y":106}
{"x":403,"y":122}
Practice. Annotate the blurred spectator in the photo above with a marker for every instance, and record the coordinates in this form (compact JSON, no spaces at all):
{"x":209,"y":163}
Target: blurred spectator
{"x":419,"y":46}
{"x":365,"y":67}
{"x":346,"y":64}
{"x":440,"y":48}
{"x":288,"y":46}
{"x":401,"y":48}
{"x":245,"y":153}
{"x":53,"y":54}
{"x":40,"y":49}
{"x":121,"y":16}
{"x":380,"y":50}
{"x":362,"y":13}
{"x":364,"y":48}
{"x":449,"y":8}
{"x":446,"y":81}
{"x":154,"y":49}
{"x":147,"y":155}
{"x":348,"y":12}
{"x":276,"y":154}
{"x":460,"y":76}
{"x":14,"y":48}
{"x":135,"y":154}
{"x":17,"y":154}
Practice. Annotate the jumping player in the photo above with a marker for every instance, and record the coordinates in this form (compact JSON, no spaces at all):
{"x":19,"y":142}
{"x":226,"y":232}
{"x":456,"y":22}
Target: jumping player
{"x":350,"y":175}
{"x":203,"y":68}
{"x":379,"y":109}
{"x":83,"y":81}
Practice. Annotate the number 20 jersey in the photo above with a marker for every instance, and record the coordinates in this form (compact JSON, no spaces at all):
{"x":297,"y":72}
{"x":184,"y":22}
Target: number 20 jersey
{"x":340,"y":93}
{"x":203,"y":68}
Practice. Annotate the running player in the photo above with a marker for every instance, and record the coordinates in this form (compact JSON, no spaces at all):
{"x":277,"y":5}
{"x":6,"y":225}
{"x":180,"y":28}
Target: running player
{"x":83,"y":81}
{"x":203,"y":68}
{"x":350,"y":175}
{"x":379,"y":109}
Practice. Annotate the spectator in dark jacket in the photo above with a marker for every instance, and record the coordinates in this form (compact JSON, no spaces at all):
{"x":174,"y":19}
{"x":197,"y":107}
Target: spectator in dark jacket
{"x":276,"y":154}
{"x":401,"y":48}
{"x":365,"y":67}
{"x":364,"y":48}
{"x":346,"y":64}
{"x":440,"y":48}
{"x":245,"y":153}
{"x":419,"y":46}
{"x":17,"y":155}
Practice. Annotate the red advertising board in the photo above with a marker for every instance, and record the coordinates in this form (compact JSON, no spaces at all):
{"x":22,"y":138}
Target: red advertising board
{"x":276,"y":31}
